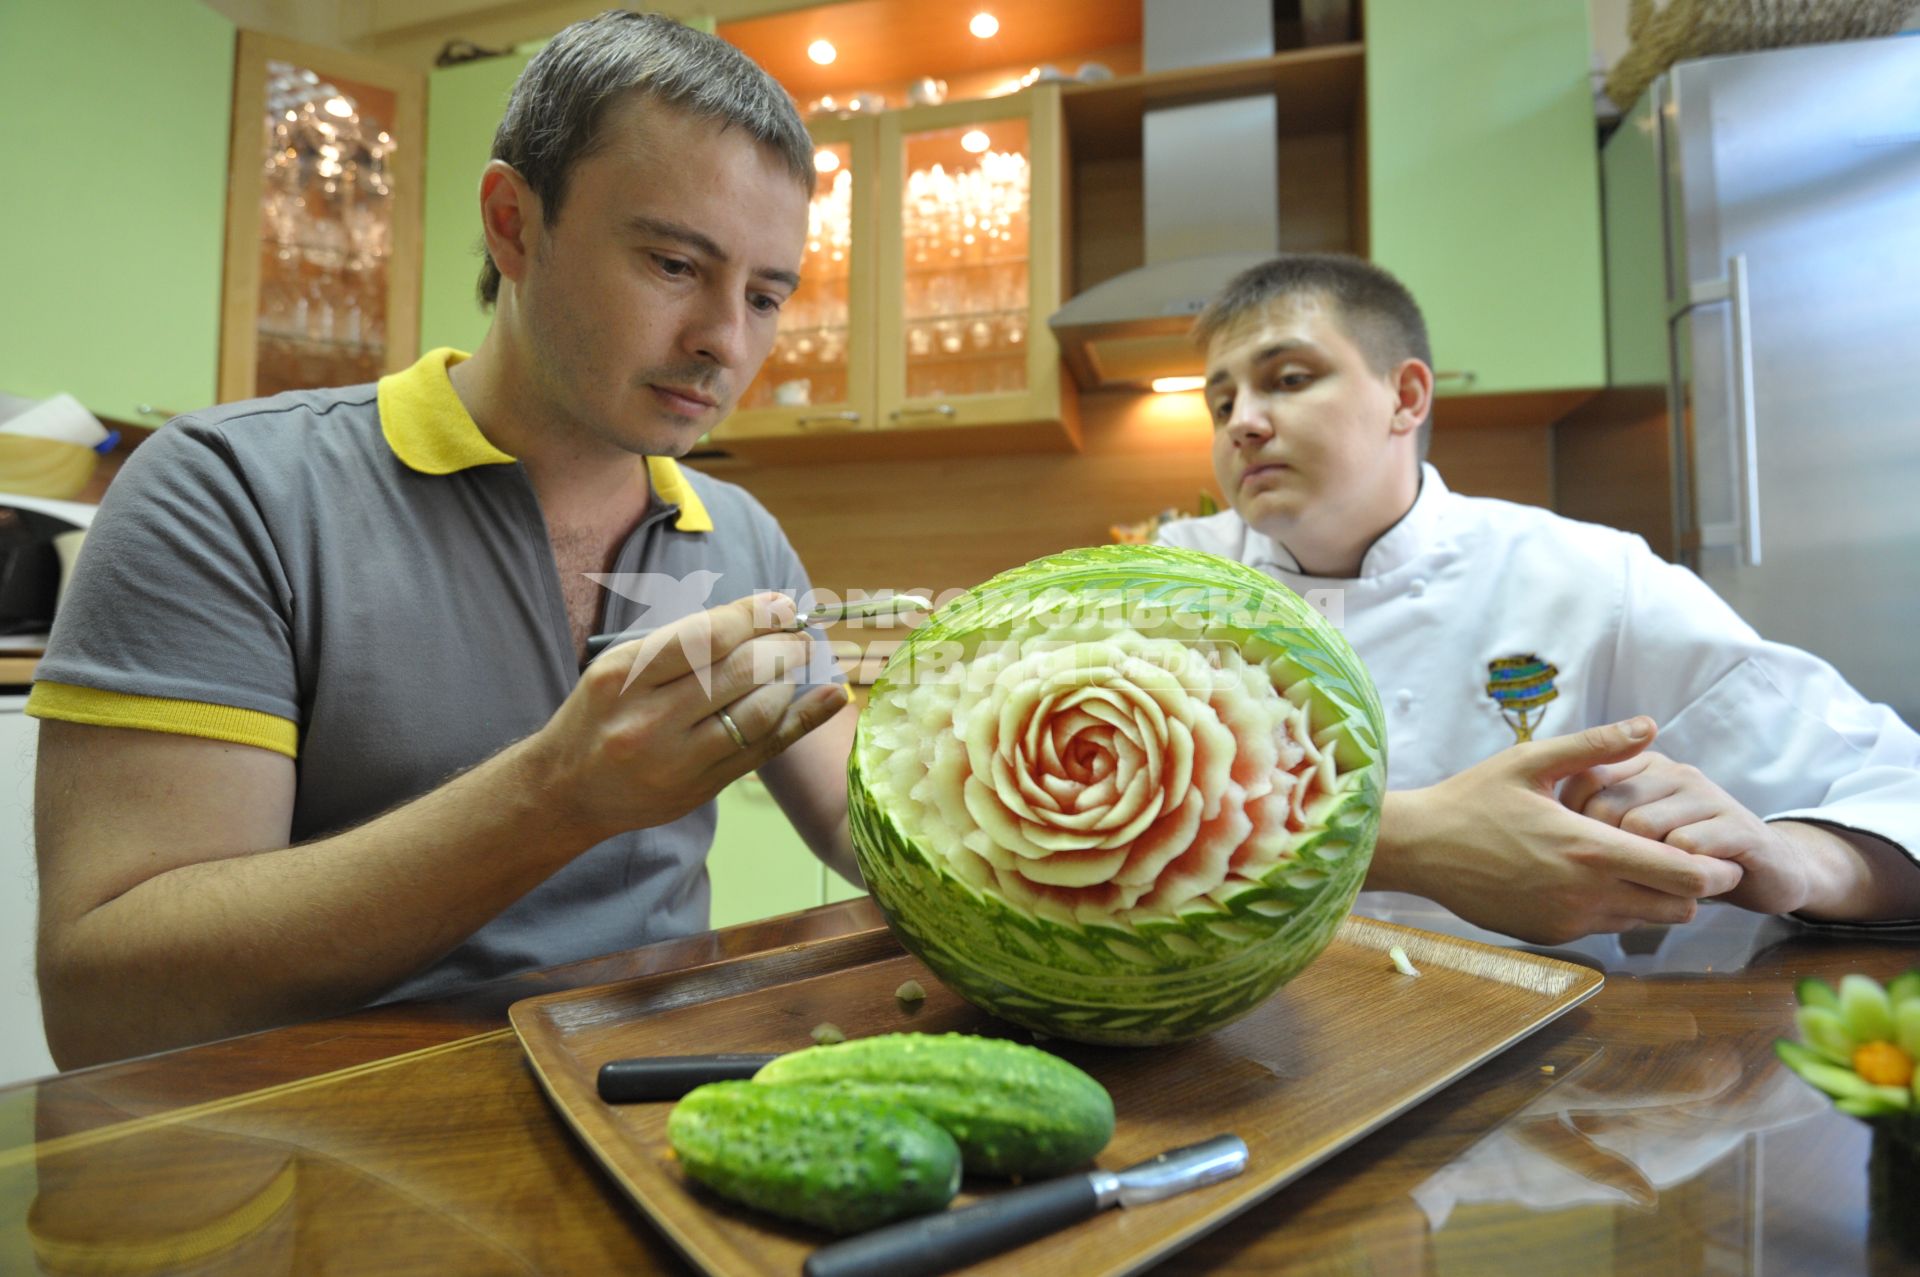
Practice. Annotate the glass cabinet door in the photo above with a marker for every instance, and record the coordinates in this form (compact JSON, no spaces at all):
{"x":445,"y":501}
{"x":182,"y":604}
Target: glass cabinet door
{"x":966,"y":231}
{"x":323,"y":225}
{"x":973,"y":262}
{"x":818,"y":380}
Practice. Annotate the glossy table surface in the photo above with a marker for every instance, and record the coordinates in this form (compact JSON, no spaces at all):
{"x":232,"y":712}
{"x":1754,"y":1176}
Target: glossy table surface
{"x":1648,"y":1130}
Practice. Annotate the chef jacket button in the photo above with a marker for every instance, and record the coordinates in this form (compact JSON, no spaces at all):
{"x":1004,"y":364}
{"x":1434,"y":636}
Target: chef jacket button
{"x":1404,"y":699}
{"x":1416,"y":588}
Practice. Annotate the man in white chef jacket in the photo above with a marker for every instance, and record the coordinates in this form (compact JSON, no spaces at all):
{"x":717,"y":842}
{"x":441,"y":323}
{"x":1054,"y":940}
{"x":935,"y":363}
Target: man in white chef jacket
{"x":1582,"y":737}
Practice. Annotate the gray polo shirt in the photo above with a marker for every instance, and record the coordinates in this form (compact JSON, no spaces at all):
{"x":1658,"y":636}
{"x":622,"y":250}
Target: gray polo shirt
{"x":358,"y":579}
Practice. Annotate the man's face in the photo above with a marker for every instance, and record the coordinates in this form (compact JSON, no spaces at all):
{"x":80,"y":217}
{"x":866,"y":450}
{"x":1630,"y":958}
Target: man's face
{"x":652,"y":300}
{"x":1309,"y":443}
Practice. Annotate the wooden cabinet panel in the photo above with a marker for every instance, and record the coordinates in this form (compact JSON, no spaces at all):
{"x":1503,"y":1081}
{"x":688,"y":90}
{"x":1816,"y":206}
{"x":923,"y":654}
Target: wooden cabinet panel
{"x":1484,"y":187}
{"x":963,"y":302}
{"x":322,"y":275}
{"x":116,"y":148}
{"x":819,"y":381}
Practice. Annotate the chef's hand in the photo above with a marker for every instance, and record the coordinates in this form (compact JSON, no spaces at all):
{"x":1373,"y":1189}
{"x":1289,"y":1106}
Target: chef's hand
{"x":639,"y":742}
{"x":1655,"y":797}
{"x":1494,"y":845}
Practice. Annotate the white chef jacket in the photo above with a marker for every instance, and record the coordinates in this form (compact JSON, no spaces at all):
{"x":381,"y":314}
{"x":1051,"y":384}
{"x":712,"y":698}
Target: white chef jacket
{"x":1461,"y":582}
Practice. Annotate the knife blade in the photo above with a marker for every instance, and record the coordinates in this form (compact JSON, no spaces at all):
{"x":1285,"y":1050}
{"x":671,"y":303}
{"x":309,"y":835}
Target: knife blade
{"x":668,"y":1077}
{"x":936,"y":1243}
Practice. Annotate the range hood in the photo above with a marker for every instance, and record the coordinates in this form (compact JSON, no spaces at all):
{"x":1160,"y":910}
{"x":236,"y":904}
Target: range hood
{"x":1210,"y":174}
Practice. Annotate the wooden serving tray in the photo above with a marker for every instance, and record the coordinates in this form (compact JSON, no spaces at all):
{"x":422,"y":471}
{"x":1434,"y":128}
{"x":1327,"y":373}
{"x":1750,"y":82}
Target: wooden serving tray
{"x":1347,"y":1046}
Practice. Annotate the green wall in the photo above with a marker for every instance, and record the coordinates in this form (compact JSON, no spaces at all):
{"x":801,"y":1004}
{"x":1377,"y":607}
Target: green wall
{"x":115,"y":161}
{"x":464,"y":105}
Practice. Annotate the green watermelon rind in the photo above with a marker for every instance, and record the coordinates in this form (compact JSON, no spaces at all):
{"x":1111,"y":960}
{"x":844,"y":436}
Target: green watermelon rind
{"x":1152,"y":980}
{"x":1057,"y":990}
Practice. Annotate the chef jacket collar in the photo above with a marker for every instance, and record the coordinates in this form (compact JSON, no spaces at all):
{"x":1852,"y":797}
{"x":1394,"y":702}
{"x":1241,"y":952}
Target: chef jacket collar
{"x":1398,"y":545}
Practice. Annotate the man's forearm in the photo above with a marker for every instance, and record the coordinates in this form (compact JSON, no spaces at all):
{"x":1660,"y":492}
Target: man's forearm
{"x":247,"y":942}
{"x":1851,"y":876}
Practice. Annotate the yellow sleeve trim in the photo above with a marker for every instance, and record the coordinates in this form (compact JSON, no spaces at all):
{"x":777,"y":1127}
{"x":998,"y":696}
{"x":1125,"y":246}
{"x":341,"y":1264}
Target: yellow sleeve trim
{"x":95,"y":708}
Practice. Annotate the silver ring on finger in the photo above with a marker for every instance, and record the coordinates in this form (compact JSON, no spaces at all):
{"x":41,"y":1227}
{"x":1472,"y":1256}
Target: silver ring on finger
{"x":733,"y":728}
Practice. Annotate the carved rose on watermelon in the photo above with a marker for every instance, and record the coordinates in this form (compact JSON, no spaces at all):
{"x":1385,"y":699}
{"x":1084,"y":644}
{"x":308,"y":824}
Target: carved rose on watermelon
{"x":1115,"y":822}
{"x":1123,"y":773}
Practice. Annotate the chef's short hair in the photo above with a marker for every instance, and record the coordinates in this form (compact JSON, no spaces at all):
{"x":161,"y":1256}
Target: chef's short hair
{"x":1375,"y":309}
{"x":556,"y":112}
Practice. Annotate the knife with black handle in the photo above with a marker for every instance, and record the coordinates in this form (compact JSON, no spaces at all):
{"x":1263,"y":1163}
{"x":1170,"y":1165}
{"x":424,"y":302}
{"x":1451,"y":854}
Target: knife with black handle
{"x":946,"y":1240}
{"x":668,"y":1077}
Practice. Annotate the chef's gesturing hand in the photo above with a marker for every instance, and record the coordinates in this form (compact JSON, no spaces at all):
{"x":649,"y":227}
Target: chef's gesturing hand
{"x":1653,"y":796}
{"x":1495,"y":845}
{"x":661,"y":724}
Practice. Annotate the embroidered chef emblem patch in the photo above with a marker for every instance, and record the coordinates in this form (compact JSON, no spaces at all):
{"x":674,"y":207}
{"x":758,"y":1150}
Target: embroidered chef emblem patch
{"x":1521,"y":686}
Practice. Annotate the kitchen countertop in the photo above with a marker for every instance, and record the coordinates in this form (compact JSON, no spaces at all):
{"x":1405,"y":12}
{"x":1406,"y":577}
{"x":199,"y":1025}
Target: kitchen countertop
{"x":1648,"y":1130}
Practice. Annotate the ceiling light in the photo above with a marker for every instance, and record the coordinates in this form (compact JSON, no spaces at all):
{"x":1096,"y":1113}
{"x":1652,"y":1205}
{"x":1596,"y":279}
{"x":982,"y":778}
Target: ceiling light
{"x":339,"y":108}
{"x":825,"y":161}
{"x":822,"y":51}
{"x":975,"y":141}
{"x":984,"y":25}
{"x":1173,"y":385}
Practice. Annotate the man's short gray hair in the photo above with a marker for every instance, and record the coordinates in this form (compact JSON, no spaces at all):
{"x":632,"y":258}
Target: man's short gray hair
{"x":559,"y":103}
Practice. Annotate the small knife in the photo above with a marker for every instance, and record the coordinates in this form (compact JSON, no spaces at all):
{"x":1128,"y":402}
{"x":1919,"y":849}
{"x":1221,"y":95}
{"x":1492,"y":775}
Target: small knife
{"x":668,"y":1077}
{"x":936,"y":1243}
{"x":852,"y":609}
{"x":883,"y":605}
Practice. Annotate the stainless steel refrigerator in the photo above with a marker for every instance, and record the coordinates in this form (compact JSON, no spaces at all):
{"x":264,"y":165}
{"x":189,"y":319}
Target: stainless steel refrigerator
{"x":1763,"y":262}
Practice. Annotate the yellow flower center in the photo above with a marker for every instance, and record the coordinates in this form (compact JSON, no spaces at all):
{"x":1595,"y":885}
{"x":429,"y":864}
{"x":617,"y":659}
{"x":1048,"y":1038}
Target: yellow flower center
{"x":1883,"y":1064}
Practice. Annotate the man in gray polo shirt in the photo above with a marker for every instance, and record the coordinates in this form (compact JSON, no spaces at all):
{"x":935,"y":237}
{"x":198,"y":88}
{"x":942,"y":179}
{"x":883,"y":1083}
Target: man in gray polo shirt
{"x":315,"y":731}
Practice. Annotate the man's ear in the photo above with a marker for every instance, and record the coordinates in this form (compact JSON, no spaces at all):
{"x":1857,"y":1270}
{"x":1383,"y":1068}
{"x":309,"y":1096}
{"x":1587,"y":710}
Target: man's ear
{"x":510,"y":218}
{"x":1413,"y":386}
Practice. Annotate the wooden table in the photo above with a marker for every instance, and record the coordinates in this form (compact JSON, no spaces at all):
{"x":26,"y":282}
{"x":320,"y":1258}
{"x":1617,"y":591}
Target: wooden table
{"x":1648,"y":1130}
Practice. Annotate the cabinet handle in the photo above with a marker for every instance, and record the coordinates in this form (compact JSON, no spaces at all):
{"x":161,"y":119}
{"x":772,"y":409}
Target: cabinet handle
{"x":939,"y":409}
{"x":845,"y":420}
{"x":1465,"y":378}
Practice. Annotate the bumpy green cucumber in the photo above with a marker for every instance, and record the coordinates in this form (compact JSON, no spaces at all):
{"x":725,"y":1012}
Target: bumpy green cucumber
{"x":805,"y":1153}
{"x":1013,"y":1109}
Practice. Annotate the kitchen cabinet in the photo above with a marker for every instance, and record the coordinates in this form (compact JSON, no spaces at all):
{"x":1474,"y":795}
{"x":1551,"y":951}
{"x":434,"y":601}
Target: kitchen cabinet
{"x":23,"y":1043}
{"x":322,"y":269}
{"x":116,"y":151}
{"x":759,"y":866}
{"x":820,"y":378}
{"x":1483,"y":186}
{"x":926,"y":334}
{"x":839,"y":888}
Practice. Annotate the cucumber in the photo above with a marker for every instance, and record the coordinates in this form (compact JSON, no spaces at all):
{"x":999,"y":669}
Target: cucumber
{"x":805,"y":1153}
{"x":1014,"y":1110}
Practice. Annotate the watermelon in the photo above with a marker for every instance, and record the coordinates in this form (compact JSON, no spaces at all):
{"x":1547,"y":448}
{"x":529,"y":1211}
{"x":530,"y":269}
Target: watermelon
{"x":1120,"y":794}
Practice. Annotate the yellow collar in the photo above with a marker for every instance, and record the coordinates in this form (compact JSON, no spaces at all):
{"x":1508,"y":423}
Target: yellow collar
{"x":432,"y":432}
